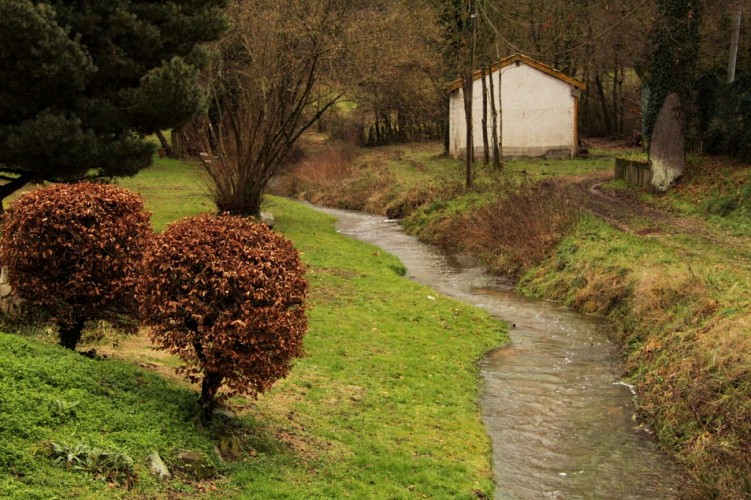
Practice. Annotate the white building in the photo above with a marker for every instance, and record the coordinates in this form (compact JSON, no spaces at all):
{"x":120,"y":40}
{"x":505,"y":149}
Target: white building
{"x":540,"y":108}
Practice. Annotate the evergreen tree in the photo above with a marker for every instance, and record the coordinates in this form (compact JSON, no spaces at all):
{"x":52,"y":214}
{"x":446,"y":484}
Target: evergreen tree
{"x":82,"y":83}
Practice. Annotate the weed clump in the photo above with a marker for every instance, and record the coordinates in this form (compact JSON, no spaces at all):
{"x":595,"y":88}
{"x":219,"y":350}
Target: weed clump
{"x":321,"y":170}
{"x":114,"y":466}
{"x":73,"y":251}
{"x":226,"y":295}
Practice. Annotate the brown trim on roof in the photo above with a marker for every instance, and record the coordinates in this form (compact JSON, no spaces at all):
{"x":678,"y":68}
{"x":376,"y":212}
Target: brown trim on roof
{"x":457,"y":84}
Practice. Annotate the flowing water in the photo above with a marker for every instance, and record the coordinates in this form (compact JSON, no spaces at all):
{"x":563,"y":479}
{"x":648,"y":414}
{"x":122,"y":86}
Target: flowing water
{"x":559,"y":417}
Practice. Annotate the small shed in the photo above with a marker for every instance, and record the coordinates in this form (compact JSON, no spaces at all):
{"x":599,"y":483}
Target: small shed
{"x":539,"y":107}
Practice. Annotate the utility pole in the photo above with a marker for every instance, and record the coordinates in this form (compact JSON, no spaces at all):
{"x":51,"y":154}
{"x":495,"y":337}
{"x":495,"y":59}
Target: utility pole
{"x":734,"y":37}
{"x":470,"y":98}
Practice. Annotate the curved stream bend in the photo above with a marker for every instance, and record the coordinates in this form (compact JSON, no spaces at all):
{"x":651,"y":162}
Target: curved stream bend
{"x":559,"y":418}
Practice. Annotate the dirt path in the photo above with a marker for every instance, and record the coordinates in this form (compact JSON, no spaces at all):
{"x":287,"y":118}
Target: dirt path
{"x":632,"y":215}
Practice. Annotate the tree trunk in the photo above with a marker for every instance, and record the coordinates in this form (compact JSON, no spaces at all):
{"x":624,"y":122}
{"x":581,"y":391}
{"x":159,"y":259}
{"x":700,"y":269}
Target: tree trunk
{"x":614,"y":98}
{"x":622,"y":102}
{"x":604,"y":105}
{"x":209,"y":387}
{"x":500,"y":117}
{"x":468,"y":85}
{"x":71,"y":334}
{"x":485,"y":142}
{"x":165,"y":144}
{"x":497,"y":160}
{"x":734,"y":37}
{"x":178,"y":144}
{"x":470,"y":145}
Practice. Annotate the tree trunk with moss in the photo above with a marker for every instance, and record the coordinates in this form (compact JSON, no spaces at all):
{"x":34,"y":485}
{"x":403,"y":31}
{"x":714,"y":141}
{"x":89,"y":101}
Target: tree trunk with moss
{"x":672,"y":81}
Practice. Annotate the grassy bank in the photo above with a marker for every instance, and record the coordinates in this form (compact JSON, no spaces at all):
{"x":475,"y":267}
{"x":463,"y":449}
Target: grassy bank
{"x":383,"y":405}
{"x":676,"y":281}
{"x":685,"y":317}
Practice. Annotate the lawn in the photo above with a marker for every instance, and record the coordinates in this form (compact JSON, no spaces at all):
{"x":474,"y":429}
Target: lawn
{"x":383,"y":405}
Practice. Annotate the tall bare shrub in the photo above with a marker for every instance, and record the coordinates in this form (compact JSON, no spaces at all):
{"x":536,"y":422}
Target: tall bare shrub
{"x":266,"y":88}
{"x":522,"y":227}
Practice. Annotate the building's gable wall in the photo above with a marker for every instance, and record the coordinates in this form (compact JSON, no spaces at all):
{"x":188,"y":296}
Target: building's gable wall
{"x":538,"y":115}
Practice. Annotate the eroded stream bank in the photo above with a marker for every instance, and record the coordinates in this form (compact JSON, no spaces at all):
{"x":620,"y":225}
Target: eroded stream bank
{"x":558,"y":415}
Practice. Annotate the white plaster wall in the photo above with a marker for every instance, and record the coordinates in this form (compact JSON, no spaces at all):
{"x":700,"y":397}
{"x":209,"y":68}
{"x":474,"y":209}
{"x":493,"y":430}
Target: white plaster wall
{"x":457,"y":123}
{"x":538,"y":114}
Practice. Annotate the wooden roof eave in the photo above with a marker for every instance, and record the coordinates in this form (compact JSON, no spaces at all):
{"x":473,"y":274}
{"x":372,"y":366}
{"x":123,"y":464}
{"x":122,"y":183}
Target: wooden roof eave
{"x":507,"y":61}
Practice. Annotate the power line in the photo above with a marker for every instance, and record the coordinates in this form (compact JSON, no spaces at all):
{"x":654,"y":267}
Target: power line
{"x":566,"y":51}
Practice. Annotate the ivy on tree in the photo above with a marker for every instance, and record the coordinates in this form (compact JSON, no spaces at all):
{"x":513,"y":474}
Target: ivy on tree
{"x":676,"y":40}
{"x":82,"y":83}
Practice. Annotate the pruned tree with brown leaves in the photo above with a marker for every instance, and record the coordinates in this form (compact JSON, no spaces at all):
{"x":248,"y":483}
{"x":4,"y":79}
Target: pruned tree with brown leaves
{"x":74,"y":251}
{"x":226,"y":295}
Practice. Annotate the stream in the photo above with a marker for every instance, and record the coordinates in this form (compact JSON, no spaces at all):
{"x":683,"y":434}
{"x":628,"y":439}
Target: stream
{"x":560,"y":418}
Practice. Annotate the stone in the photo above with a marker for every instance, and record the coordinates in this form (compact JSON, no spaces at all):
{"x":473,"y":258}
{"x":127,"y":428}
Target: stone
{"x":268,"y":219}
{"x":158,"y":468}
{"x":195,"y":465}
{"x":667,"y":149}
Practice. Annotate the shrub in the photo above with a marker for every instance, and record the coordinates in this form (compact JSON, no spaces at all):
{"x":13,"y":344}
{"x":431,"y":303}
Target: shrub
{"x":73,"y":250}
{"x":227,"y":295}
{"x":522,"y":228}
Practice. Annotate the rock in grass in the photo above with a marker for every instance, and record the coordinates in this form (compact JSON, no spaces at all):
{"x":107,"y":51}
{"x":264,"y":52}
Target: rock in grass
{"x":268,"y":219}
{"x":158,"y":468}
{"x":195,"y":465}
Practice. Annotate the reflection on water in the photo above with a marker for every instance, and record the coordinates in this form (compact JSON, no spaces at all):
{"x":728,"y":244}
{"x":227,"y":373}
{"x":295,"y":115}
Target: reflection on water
{"x":559,"y":417}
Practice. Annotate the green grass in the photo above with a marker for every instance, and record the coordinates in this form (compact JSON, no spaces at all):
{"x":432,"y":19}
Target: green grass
{"x":677,"y":287}
{"x":171,"y":189}
{"x":384,"y":405}
{"x":53,"y":395}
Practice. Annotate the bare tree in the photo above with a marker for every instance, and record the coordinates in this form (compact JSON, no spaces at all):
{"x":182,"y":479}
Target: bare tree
{"x":496,"y":117}
{"x":267,"y":86}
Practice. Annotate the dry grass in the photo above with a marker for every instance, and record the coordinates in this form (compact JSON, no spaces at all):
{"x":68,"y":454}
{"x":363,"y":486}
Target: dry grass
{"x":604,"y":291}
{"x":323,"y":168}
{"x":521,"y":228}
{"x":656,"y":296}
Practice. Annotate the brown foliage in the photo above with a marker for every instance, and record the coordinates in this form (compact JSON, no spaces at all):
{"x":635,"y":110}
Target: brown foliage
{"x":73,"y":250}
{"x":324,"y":169}
{"x":520,"y":229}
{"x":227,"y":295}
